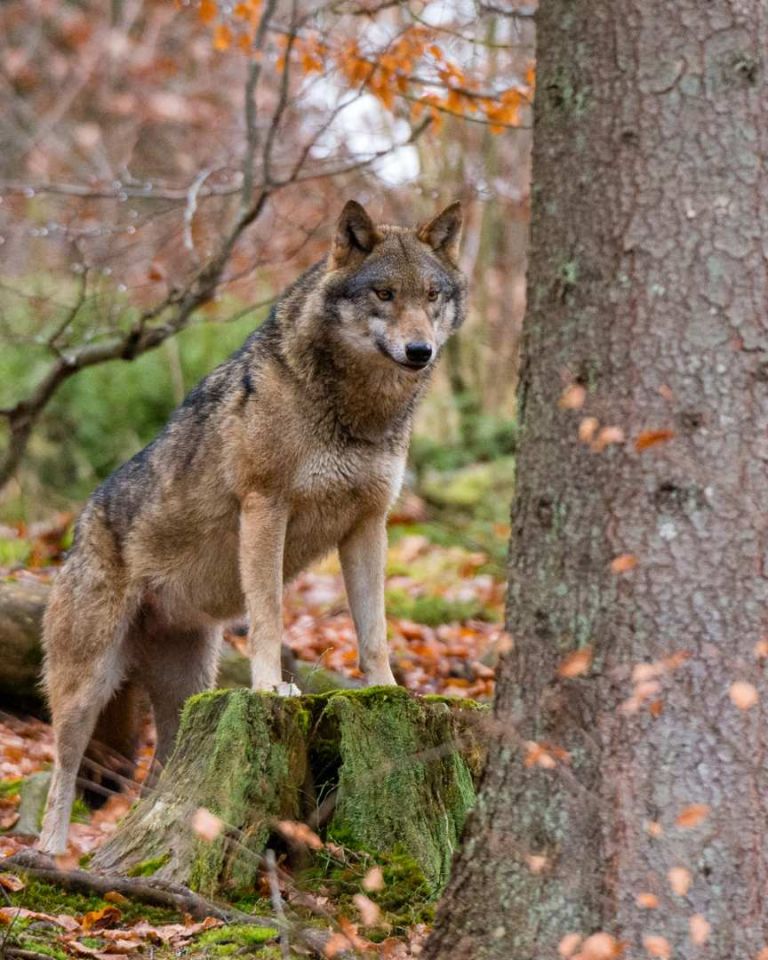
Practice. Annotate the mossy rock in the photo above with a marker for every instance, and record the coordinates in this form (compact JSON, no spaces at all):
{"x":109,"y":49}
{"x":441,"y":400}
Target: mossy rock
{"x":394,"y":771}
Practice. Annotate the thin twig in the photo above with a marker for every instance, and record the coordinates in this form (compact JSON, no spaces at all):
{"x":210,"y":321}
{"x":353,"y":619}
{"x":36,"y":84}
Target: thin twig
{"x":277,"y":902}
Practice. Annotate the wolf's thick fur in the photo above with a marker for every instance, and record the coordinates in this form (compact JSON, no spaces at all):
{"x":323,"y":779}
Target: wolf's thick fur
{"x":293,"y":446}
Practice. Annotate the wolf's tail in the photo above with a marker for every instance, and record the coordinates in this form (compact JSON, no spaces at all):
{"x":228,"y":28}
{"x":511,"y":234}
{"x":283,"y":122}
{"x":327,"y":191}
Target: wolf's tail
{"x":110,"y":760}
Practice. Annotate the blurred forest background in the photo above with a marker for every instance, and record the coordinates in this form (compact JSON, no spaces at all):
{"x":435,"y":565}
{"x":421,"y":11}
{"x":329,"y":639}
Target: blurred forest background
{"x":137,"y":135}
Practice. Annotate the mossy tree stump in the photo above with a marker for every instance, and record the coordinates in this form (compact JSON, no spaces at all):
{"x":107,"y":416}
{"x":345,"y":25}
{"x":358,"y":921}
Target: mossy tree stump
{"x":377,"y":771}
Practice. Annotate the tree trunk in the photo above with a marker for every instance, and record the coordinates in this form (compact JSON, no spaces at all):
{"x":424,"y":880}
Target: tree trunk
{"x":647,"y":288}
{"x":378,"y":771}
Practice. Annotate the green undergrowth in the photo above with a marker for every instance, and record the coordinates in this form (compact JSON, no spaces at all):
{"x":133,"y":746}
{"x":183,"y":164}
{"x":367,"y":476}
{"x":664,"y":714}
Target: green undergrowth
{"x":405,"y":899}
{"x":432,"y":609}
{"x":46,"y":898}
{"x":234,"y":940}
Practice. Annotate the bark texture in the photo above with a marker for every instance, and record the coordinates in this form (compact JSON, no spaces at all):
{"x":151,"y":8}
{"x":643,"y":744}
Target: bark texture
{"x":648,"y":287}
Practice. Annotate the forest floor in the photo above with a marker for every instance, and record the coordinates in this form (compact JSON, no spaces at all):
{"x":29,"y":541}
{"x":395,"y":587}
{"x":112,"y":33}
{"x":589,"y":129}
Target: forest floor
{"x":445,"y":595}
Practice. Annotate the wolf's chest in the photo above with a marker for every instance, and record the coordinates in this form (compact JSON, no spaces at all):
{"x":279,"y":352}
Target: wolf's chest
{"x":328,"y":497}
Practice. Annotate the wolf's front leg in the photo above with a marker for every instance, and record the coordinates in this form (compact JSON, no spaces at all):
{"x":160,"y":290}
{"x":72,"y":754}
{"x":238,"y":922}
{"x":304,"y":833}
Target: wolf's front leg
{"x":363,"y":560}
{"x":263,"y":522}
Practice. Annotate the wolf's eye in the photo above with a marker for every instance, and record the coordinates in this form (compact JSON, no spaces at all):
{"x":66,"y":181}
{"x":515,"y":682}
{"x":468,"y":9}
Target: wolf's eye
{"x":433,"y":294}
{"x":384,"y":294}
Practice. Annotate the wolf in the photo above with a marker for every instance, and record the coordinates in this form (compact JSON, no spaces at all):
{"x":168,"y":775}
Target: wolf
{"x":294,"y":446}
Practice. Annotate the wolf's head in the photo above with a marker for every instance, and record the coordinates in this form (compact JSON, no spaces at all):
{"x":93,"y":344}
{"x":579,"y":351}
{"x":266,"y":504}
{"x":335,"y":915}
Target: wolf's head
{"x":397,"y":293}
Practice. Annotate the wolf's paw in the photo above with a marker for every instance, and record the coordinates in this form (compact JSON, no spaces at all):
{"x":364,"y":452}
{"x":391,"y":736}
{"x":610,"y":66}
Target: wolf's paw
{"x":287,"y":690}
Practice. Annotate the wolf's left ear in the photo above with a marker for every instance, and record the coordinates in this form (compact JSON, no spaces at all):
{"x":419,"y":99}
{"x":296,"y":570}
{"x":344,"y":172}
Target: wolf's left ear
{"x":443,"y":233}
{"x":355,"y":234}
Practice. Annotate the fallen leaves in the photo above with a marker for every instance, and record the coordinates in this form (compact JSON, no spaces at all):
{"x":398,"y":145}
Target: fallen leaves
{"x":680,"y":880}
{"x":373,"y":880}
{"x":692,"y":815}
{"x":647,"y":901}
{"x":206,"y":825}
{"x":657,"y":947}
{"x":9,"y":881}
{"x":650,"y":438}
{"x":600,"y":946}
{"x":576,"y":664}
{"x":573,"y":397}
{"x":699,"y":929}
{"x":300,"y":833}
{"x":623,"y":563}
{"x":743,"y":695}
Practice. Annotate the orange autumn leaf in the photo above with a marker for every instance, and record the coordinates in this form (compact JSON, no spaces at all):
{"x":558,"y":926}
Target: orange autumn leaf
{"x":206,"y":825}
{"x":99,"y":919}
{"x":573,"y":397}
{"x":680,"y":880}
{"x":569,"y":945}
{"x":692,"y":815}
{"x":576,"y":663}
{"x":743,"y":695}
{"x":207,"y":10}
{"x":9,"y":881}
{"x":606,"y":437}
{"x":588,"y":428}
{"x":647,"y":901}
{"x":761,"y":649}
{"x":657,"y":947}
{"x":222,"y":37}
{"x":699,"y":929}
{"x":623,"y":563}
{"x":535,"y":862}
{"x":601,"y":946}
{"x":649,"y":438}
{"x":300,"y":833}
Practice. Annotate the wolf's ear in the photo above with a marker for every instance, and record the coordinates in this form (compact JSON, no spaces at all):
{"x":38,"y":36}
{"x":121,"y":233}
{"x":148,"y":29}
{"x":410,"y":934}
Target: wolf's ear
{"x":443,"y":232}
{"x":355,"y":234}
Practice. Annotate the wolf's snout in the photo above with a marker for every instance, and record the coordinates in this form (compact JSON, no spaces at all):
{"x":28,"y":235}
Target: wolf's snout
{"x":418,"y":353}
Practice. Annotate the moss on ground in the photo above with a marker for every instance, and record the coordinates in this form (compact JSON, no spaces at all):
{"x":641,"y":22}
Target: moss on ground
{"x":46,"y":898}
{"x":146,"y":868}
{"x":432,"y":609}
{"x":406,"y":897}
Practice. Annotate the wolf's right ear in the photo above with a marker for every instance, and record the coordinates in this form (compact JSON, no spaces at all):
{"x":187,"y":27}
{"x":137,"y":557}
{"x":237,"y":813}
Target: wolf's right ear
{"x":355,"y":234}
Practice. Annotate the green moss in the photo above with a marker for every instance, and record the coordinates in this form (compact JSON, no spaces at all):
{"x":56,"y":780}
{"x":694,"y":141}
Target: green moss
{"x":401,"y":784}
{"x":433,"y":609}
{"x":253,"y":775}
{"x":406,"y":898}
{"x":8,"y":788}
{"x":45,"y":898}
{"x":81,"y":812}
{"x":147,"y":867}
{"x":240,"y":934}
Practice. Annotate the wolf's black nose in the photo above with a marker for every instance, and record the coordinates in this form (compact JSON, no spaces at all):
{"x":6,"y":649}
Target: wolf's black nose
{"x":418,"y":353}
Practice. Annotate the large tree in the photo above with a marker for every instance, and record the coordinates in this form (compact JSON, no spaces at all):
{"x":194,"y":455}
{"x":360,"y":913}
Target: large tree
{"x":627,"y":791}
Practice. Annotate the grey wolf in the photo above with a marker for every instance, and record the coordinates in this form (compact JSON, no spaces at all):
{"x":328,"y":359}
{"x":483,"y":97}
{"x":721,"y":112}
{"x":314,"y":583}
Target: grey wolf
{"x":294,"y":446}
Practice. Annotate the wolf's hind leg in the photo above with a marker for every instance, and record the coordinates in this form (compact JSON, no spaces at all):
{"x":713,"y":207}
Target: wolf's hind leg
{"x":83,"y":668}
{"x":175,"y":663}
